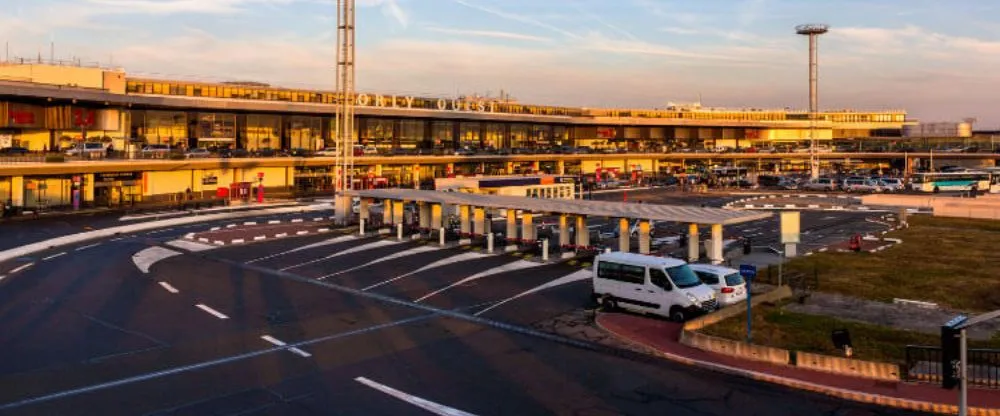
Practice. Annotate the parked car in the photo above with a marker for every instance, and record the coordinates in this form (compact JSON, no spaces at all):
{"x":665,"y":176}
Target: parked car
{"x":820,"y":184}
{"x":650,"y":284}
{"x":327,"y":151}
{"x":861,"y":185}
{"x":87,"y":149}
{"x":198,"y":152}
{"x":226,"y":153}
{"x":891,"y":184}
{"x":300,"y":152}
{"x":11,"y":151}
{"x":728,"y":284}
{"x":155,"y":150}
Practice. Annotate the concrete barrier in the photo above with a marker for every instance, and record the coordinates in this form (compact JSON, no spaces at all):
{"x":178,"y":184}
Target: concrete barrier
{"x":775,"y":295}
{"x":735,"y":348}
{"x":847,"y":366}
{"x":968,"y":208}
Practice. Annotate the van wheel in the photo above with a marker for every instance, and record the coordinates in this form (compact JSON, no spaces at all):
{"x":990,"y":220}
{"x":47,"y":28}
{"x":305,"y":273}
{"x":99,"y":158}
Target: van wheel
{"x":609,"y":303}
{"x":677,"y":314}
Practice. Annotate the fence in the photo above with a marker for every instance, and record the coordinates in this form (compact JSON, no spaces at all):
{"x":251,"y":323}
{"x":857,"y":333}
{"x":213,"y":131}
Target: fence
{"x":923,"y":363}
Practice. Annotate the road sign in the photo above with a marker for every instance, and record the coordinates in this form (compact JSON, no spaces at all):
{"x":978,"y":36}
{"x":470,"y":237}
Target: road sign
{"x":748,"y":271}
{"x":950,"y":351}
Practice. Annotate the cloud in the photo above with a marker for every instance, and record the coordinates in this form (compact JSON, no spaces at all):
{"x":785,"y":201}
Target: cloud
{"x":175,"y":6}
{"x":489,"y":34}
{"x":518,"y":18}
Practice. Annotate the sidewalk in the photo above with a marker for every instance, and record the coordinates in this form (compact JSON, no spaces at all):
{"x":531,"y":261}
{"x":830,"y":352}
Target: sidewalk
{"x":663,"y":336}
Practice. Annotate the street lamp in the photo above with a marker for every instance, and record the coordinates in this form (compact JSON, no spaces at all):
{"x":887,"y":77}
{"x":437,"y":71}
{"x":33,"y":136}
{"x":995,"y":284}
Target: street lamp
{"x":813,"y":30}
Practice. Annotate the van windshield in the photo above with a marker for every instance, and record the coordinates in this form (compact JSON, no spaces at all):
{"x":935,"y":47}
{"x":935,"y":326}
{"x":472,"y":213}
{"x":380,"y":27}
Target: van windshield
{"x":682,"y":276}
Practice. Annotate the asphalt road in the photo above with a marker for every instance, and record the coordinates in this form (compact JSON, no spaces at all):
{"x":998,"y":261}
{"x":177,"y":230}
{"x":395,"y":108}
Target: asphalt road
{"x":187,"y":338}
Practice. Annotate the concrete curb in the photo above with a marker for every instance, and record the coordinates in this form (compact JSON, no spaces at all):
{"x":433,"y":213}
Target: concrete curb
{"x":856,"y":396}
{"x":743,"y":203}
{"x":77,"y":238}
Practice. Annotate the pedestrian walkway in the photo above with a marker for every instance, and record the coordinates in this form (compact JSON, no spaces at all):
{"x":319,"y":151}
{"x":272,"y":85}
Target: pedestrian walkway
{"x":663,"y":337}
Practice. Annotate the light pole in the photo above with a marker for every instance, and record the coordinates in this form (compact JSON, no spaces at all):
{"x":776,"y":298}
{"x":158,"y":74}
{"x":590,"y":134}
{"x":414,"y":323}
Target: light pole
{"x":344,"y":179}
{"x":813,"y":30}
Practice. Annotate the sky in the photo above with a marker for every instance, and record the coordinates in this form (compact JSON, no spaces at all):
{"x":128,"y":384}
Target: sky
{"x":936,"y":59}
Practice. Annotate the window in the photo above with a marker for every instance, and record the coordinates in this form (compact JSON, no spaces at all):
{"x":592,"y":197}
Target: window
{"x":734,"y":279}
{"x":621,"y":272}
{"x":659,"y":278}
{"x":608,"y":270}
{"x":708,"y":278}
{"x":683,"y":276}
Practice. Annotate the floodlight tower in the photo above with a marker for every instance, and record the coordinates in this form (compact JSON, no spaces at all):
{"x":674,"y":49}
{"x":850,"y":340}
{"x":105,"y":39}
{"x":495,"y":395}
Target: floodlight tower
{"x":344,"y":134}
{"x":813,"y":30}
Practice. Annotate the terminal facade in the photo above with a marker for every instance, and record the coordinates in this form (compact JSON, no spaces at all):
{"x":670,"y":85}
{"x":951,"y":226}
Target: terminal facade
{"x":52,"y":107}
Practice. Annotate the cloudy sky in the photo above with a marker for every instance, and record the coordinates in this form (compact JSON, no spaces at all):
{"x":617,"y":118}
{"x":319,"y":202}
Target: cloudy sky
{"x":936,"y":59}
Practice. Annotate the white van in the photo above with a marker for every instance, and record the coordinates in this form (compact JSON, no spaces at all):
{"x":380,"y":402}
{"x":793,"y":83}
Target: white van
{"x":649,"y":284}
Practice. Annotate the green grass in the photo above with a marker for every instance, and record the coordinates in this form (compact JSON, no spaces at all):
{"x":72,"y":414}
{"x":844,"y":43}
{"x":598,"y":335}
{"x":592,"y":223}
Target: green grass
{"x":775,"y":327}
{"x":950,"y":261}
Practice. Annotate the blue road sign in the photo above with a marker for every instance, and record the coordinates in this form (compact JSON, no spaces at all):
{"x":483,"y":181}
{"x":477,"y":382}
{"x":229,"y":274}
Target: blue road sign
{"x":748,"y":271}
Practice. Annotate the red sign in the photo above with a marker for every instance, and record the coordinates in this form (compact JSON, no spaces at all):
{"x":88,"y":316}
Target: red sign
{"x":260,"y":175}
{"x":83,"y":117}
{"x":21,"y":117}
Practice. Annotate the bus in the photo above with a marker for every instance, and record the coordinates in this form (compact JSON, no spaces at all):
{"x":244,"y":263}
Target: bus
{"x":994,"y":179}
{"x":950,"y":181}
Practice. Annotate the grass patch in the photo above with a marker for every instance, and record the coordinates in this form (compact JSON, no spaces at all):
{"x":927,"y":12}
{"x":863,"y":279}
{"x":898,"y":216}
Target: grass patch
{"x":950,"y":261}
{"x":775,"y":327}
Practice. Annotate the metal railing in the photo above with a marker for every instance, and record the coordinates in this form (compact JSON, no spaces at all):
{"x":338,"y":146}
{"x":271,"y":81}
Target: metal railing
{"x":923,"y":363}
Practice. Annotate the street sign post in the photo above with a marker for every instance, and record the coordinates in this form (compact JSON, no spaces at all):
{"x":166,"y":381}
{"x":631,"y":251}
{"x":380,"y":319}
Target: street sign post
{"x":749,"y":272}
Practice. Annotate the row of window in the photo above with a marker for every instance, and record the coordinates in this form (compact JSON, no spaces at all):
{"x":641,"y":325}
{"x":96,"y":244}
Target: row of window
{"x":254,"y":92}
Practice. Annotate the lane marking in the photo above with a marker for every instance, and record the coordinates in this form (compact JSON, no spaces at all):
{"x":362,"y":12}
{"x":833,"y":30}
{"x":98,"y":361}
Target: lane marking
{"x":404,"y":253}
{"x":469,"y":255}
{"x":435,"y":408}
{"x":19,"y":268}
{"x":54,"y":256}
{"x":88,"y":246}
{"x":202,"y":365}
{"x":2,"y":276}
{"x":567,"y":279}
{"x":211,"y":311}
{"x":363,"y":247}
{"x":334,"y":240}
{"x":509,"y":267}
{"x":169,"y":288}
{"x":280,"y":343}
{"x":145,"y":259}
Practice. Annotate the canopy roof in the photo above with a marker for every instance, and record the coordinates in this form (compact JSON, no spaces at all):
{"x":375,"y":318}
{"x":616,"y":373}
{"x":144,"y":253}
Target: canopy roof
{"x":672,"y":213}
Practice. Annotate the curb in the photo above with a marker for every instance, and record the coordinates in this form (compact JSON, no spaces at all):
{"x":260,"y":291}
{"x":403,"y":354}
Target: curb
{"x":743,"y":203}
{"x":855,"y":396}
{"x":191,"y":236}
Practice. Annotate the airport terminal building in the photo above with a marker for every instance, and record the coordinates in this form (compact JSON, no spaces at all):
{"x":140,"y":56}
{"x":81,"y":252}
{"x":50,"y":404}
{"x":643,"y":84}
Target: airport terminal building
{"x":53,"y":106}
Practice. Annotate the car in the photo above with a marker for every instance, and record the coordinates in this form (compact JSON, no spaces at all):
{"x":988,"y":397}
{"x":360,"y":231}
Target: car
{"x":327,"y":151}
{"x":10,"y":151}
{"x":650,"y":284}
{"x":891,"y":184}
{"x":87,"y":149}
{"x":861,"y":185}
{"x":227,"y":153}
{"x":300,"y":152}
{"x":198,"y":152}
{"x":728,"y":284}
{"x":153,"y":150}
{"x":819,"y":184}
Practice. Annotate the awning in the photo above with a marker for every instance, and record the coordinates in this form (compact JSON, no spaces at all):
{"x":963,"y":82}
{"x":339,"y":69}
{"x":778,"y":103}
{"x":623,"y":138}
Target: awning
{"x":671,"y":213}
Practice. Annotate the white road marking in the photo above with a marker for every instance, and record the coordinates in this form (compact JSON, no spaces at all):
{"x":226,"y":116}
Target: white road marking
{"x":190,"y":245}
{"x":88,"y":246}
{"x":54,"y":256}
{"x":211,"y":311}
{"x":21,"y":267}
{"x":334,"y":240}
{"x":259,"y":237}
{"x":570,"y":278}
{"x":517,"y":265}
{"x":280,"y":343}
{"x":274,"y":222}
{"x":145,"y":259}
{"x":169,"y":288}
{"x":215,"y":229}
{"x":238,"y":241}
{"x":425,"y":404}
{"x":404,"y":253}
{"x":297,"y":220}
{"x":363,"y":247}
{"x":443,"y":262}
{"x":302,"y":232}
{"x":2,"y":276}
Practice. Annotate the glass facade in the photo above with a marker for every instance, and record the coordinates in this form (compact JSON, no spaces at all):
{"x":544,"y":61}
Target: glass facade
{"x":469,"y":135}
{"x":441,"y":135}
{"x":411,"y":133}
{"x":161,"y":127}
{"x":519,"y":136}
{"x":262,"y":132}
{"x":377,"y":132}
{"x":305,"y":132}
{"x":493,"y":136}
{"x":216,"y":129}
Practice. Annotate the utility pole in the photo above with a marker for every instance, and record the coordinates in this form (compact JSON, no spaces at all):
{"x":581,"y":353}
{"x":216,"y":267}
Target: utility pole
{"x":344,"y":179}
{"x":813,"y":31}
